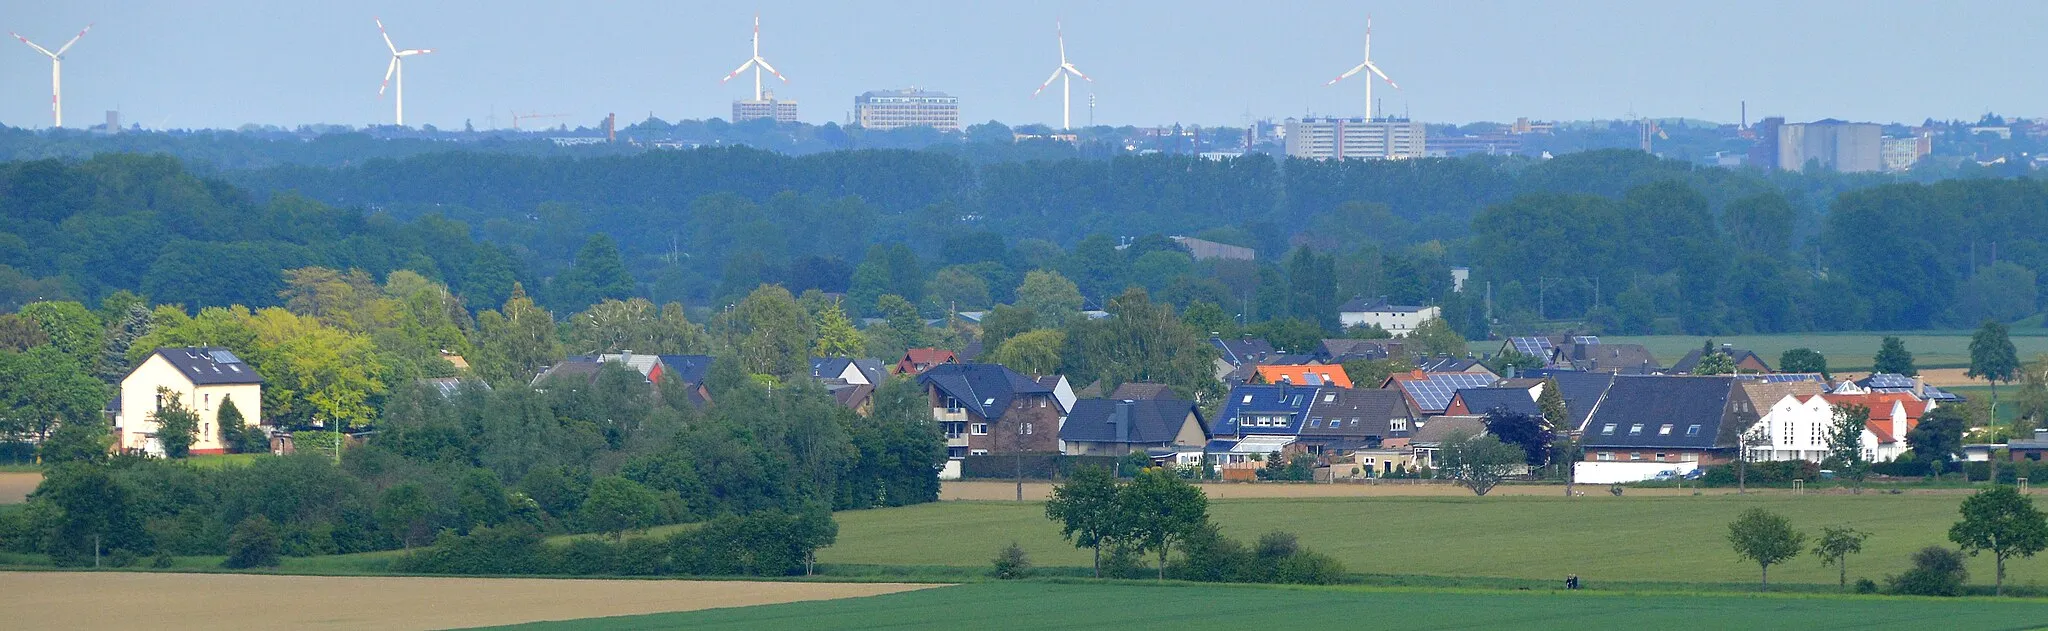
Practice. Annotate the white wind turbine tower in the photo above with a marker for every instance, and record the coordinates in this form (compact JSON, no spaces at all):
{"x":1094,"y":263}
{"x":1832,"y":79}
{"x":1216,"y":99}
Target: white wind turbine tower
{"x":1065,"y":74}
{"x":755,"y":62}
{"x":396,"y":69}
{"x":1366,"y":65}
{"x":56,"y":72}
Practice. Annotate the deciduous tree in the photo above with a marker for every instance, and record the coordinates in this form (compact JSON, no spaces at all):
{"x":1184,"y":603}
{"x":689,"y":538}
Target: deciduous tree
{"x":1161,"y":510}
{"x":1087,"y":510}
{"x":1835,"y":545}
{"x":2001,"y":521}
{"x":1766,"y":538}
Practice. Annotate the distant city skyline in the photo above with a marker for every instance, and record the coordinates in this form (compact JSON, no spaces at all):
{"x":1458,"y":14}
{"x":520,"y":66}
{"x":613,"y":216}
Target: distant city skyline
{"x":225,"y":63}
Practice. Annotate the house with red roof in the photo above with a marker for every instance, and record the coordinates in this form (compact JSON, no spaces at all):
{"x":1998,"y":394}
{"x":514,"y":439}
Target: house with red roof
{"x":917,"y":360}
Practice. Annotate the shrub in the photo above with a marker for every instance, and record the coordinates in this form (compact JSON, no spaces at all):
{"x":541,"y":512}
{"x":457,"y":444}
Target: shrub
{"x":1208,"y":556}
{"x":1011,"y":563}
{"x":488,"y":550}
{"x":254,"y":543}
{"x":1866,"y":586}
{"x":121,"y":558}
{"x":585,"y":557}
{"x":1308,"y":568}
{"x":1124,"y":562}
{"x":1936,"y":571}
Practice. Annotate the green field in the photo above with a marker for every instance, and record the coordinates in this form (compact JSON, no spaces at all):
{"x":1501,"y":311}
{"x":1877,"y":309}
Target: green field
{"x":1138,"y":606}
{"x":1598,"y":537}
{"x":1845,"y":351}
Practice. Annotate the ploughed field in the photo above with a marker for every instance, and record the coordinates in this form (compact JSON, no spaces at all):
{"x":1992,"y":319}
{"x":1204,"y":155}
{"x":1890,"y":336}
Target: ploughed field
{"x":1598,"y":536}
{"x":1141,"y":606}
{"x":143,"y":600}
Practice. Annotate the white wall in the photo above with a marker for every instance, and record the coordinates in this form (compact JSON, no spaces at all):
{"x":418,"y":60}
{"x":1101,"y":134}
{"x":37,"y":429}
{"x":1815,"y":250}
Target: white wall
{"x":1612,"y":472}
{"x":138,"y":403}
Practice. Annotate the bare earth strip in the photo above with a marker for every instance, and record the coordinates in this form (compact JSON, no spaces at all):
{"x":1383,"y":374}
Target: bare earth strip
{"x":15,"y":487}
{"x":990,"y":490}
{"x":112,"y":600}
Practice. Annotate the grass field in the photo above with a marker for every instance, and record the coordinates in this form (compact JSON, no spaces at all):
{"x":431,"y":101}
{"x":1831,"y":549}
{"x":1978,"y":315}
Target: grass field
{"x":1108,"y":606}
{"x":1598,"y":537}
{"x":1845,"y":351}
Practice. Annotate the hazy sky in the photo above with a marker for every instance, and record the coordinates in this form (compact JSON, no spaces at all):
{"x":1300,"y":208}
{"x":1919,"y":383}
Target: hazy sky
{"x":222,"y":63}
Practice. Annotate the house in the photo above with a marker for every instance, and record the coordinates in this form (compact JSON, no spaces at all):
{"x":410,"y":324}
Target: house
{"x":858,"y":397}
{"x":2032,"y":450}
{"x":1062,"y":391}
{"x":657,"y":371}
{"x":448,"y":387}
{"x":1303,"y":375}
{"x":1786,"y":427}
{"x":1343,"y":420}
{"x":917,"y":360}
{"x":989,"y":409}
{"x":1161,"y":428}
{"x":1620,"y":359}
{"x":1582,"y":393}
{"x":1235,"y":357}
{"x":203,"y":378}
{"x":1744,"y":360}
{"x":1446,"y":363}
{"x":1264,"y":410}
{"x":1650,"y":424}
{"x":1430,"y":435}
{"x":1483,"y":401}
{"x":1429,"y":394}
{"x":972,"y":351}
{"x":1888,"y":382}
{"x":1138,"y":390}
{"x":1802,"y":427}
{"x":1399,"y":320}
{"x":1892,"y":414}
{"x":1542,"y":346}
{"x":1338,"y":351}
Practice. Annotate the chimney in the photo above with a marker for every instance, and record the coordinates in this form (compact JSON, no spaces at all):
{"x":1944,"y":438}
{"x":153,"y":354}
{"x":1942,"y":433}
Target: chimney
{"x":1121,"y":419}
{"x":1919,"y":387}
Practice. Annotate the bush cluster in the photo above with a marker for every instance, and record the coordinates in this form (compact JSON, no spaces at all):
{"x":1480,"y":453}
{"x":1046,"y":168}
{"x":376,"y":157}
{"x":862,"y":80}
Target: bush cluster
{"x":763,"y":543}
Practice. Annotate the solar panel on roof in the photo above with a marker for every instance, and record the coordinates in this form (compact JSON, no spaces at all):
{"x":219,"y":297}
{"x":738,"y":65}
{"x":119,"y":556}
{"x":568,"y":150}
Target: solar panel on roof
{"x":224,"y":357}
{"x":1532,"y":345}
{"x":1585,"y":340}
{"x":1889,"y":380}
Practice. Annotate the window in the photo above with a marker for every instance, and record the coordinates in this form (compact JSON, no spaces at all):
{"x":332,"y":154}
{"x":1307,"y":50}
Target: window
{"x":1041,"y":402}
{"x":954,"y":429}
{"x":952,"y":404}
{"x":1635,"y":455}
{"x":1247,"y":399}
{"x":1607,"y":429}
{"x":1688,"y":457}
{"x":1660,"y":457}
{"x":1664,"y":430}
{"x":1606,"y":456}
{"x":981,"y":429}
{"x":978,"y":452}
{"x":208,"y":400}
{"x":1635,"y":429}
{"x":1399,"y":424}
{"x":1026,"y":429}
{"x":1354,"y":422}
{"x":1692,"y":430}
{"x":1315,"y":422}
{"x":1327,"y":398}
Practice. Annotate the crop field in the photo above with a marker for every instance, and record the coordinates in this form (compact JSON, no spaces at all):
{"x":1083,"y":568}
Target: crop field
{"x":15,"y":487}
{"x":1138,"y":606}
{"x":1845,"y":351}
{"x":996,"y":490}
{"x":109,"y":600}
{"x":1598,"y":537}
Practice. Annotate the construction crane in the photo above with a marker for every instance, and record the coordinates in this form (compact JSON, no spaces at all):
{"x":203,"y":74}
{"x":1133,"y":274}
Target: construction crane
{"x":516,"y":117}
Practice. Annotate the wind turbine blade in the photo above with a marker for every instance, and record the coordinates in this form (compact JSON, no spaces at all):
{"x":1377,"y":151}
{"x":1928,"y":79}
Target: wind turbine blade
{"x":1077,"y":72}
{"x":388,"y":71}
{"x":415,"y":51}
{"x":74,"y":40}
{"x":1376,"y":70}
{"x":736,"y":71}
{"x":1347,"y":74}
{"x":387,"y":36}
{"x":1060,"y":31}
{"x":771,"y":69}
{"x":39,"y":49}
{"x":1048,"y":80}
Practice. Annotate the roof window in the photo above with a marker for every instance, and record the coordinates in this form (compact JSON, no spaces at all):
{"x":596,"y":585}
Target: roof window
{"x":1664,"y":430}
{"x":1692,"y":431}
{"x":1635,"y":429}
{"x":1607,"y":430}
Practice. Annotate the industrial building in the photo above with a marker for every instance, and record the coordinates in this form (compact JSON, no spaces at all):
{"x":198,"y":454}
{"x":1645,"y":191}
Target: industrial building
{"x":1833,"y":145}
{"x":1320,"y":138}
{"x":764,"y":107}
{"x":910,"y":107}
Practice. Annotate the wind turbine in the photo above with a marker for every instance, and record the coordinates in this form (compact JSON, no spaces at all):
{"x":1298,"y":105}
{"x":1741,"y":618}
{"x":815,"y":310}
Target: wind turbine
{"x":755,"y":62}
{"x":396,"y":69}
{"x":1065,"y":74}
{"x":1366,"y":65}
{"x":56,"y":72}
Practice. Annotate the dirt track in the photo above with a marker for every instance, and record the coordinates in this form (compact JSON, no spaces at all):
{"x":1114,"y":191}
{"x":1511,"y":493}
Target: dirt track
{"x":15,"y":487}
{"x":112,"y":600}
{"x":991,"y":490}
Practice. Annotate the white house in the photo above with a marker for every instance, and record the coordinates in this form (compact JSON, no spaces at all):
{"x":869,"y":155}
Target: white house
{"x":1799,"y":429}
{"x":1399,"y":320}
{"x":203,"y":378}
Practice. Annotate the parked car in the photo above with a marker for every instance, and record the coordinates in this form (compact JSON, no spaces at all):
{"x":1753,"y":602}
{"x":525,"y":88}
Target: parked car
{"x":1666,"y":475}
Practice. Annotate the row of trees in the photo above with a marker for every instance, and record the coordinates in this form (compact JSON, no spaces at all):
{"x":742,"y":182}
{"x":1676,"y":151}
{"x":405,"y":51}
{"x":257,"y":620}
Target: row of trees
{"x":1998,"y":521}
{"x":1158,"y":513}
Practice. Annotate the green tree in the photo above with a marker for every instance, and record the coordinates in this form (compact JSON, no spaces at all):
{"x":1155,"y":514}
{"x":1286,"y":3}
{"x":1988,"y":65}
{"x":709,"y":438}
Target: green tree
{"x":1162,"y":510}
{"x":235,"y":433}
{"x":1141,"y":341}
{"x":1714,"y":363}
{"x":1892,"y":357}
{"x":1766,"y":538}
{"x":1477,"y":462}
{"x":1312,"y":288}
{"x":768,"y":333}
{"x":1053,"y":300}
{"x":636,"y":325}
{"x":1993,"y":359}
{"x":597,"y":274}
{"x":1845,"y":442}
{"x":1804,"y":360}
{"x":1436,"y":337}
{"x":1370,"y":373}
{"x":616,"y":505}
{"x":1938,"y":439}
{"x":836,"y":335}
{"x":254,"y":543}
{"x":1005,"y":321}
{"x":1032,"y":353}
{"x":1835,"y":545}
{"x":955,"y":288}
{"x":1086,"y":508}
{"x":1936,"y":571}
{"x":43,"y":390}
{"x":516,"y":341}
{"x":177,"y":426}
{"x":2001,"y":521}
{"x":96,"y":513}
{"x":71,"y":327}
{"x":404,"y":511}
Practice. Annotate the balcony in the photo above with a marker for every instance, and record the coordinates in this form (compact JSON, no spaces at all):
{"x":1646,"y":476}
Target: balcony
{"x":958,"y":415}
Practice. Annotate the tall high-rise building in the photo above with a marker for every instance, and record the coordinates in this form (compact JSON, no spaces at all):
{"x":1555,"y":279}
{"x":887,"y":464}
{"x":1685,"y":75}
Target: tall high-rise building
{"x":1322,"y":138}
{"x":1830,"y":144}
{"x":910,"y":107}
{"x":767,"y":107}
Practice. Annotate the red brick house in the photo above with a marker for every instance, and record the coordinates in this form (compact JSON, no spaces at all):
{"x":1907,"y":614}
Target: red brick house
{"x":989,"y":409}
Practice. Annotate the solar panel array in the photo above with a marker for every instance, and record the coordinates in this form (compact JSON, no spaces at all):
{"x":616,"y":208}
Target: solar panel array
{"x":1435,"y":392}
{"x":1585,"y":340}
{"x":1538,"y":346}
{"x":1788,"y":377}
{"x":224,"y":357}
{"x":1888,"y":380}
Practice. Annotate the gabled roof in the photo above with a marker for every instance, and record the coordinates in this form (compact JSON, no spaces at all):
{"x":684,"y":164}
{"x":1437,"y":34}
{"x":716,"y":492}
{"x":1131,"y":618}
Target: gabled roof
{"x":971,"y":351}
{"x":1340,"y":350}
{"x":1582,"y":393}
{"x":690,"y":369}
{"x":1118,"y":421}
{"x":835,"y":367}
{"x":1485,"y":400}
{"x":1764,"y":394}
{"x":1430,"y":393}
{"x":1889,"y":382}
{"x":929,"y":355}
{"x":1661,"y":412}
{"x":1361,"y":305}
{"x":1134,"y":390}
{"x":1355,"y":412}
{"x":1685,"y":364}
{"x":1434,"y":429}
{"x":851,"y":395}
{"x":1237,"y":352}
{"x":986,"y":389}
{"x":209,"y":365}
{"x":1626,"y":359}
{"x":1448,"y":364}
{"x":1248,"y":399}
{"x":1881,"y":405}
{"x":1305,"y":375}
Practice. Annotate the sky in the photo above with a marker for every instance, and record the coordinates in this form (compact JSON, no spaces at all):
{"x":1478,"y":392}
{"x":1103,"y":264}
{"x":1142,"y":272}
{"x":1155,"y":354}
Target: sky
{"x":225,"y":63}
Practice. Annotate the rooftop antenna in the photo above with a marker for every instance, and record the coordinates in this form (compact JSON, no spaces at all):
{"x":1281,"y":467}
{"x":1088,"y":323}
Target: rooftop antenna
{"x":396,"y":71}
{"x":56,"y":72}
{"x":1363,"y":66}
{"x":756,"y":62}
{"x":1065,"y":74}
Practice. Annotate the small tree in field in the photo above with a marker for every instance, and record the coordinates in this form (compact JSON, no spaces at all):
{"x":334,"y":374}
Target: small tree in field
{"x":1836,"y":544}
{"x":2001,"y":521}
{"x":1766,"y":538}
{"x":1163,"y":511}
{"x":1086,"y":508}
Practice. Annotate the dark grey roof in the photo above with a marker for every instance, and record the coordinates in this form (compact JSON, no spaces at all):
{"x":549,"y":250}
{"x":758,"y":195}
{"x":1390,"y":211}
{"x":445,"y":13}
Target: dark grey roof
{"x":210,"y":365}
{"x":1445,"y":364}
{"x":1485,"y":400}
{"x":1360,"y":305}
{"x":1661,"y":412}
{"x":1138,"y":390}
{"x":1356,"y":412}
{"x":1582,"y":392}
{"x":1145,"y":421}
{"x":987,"y":389}
{"x":1685,"y":364}
{"x":1626,"y":359}
{"x":1339,"y":350}
{"x":1435,"y":428}
{"x":689,"y":369}
{"x":1238,"y":352}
